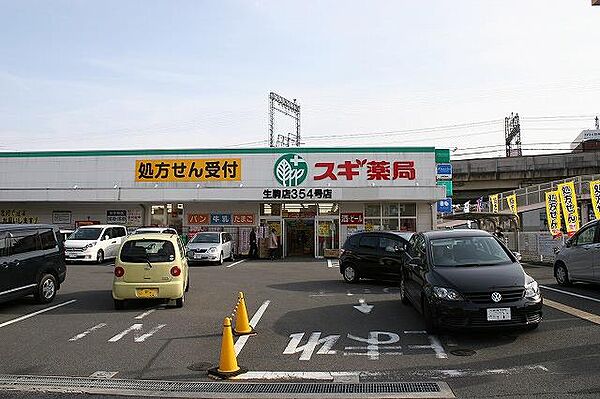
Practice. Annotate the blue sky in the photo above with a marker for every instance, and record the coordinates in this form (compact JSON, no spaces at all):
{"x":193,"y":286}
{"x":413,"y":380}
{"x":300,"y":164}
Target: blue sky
{"x":172,"y":74}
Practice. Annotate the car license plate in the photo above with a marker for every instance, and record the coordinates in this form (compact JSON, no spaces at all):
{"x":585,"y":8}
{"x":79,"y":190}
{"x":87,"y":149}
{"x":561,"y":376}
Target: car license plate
{"x":71,"y":255}
{"x":198,"y":256}
{"x":497,"y":314}
{"x":147,"y":292}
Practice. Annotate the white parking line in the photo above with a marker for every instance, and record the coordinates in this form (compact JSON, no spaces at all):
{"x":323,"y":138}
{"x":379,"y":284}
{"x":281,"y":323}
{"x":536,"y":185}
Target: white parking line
{"x":27,"y":316}
{"x":236,"y":263}
{"x":573,"y":311}
{"x":239,"y":344}
{"x":570,"y":293}
{"x":87,"y":332}
{"x":436,"y":345}
{"x":104,"y":374}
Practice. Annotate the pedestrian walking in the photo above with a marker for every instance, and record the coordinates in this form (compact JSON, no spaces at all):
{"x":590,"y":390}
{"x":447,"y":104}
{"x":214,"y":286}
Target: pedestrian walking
{"x":273,"y":244}
{"x":253,"y":245}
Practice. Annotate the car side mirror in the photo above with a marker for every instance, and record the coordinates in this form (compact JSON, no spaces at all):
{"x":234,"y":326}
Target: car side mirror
{"x":517,"y":255}
{"x":568,"y":243}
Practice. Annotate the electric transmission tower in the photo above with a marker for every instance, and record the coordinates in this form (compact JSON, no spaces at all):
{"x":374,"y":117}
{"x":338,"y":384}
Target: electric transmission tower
{"x":287,"y":108}
{"x":512,"y":134}
{"x":597,"y":123}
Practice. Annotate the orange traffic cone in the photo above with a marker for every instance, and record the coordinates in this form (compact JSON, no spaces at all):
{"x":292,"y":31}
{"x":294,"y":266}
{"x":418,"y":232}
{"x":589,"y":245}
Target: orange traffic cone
{"x":228,"y":366}
{"x":242,"y":325}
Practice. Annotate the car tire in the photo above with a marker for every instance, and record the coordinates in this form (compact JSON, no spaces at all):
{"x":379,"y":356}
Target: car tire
{"x":179,"y":302}
{"x":403,"y":298}
{"x":532,"y":327}
{"x":187,"y":284}
{"x":119,"y":304}
{"x":430,"y":324}
{"x":350,"y":274}
{"x":100,"y":257}
{"x":562,"y":275}
{"x":46,"y":289}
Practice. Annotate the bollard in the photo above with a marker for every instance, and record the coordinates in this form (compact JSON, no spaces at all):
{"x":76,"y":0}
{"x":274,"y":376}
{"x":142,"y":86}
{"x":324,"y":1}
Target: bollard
{"x":242,"y":325}
{"x":228,"y":366}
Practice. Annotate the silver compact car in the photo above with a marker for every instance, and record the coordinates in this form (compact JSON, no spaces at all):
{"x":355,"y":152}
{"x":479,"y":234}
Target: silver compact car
{"x":210,"y":247}
{"x":579,"y":258}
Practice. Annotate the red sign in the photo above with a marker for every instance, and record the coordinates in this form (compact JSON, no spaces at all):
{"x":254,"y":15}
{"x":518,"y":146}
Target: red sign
{"x":351,"y":218}
{"x":198,"y":218}
{"x":243,"y":219}
{"x":375,"y":170}
{"x":79,"y":223}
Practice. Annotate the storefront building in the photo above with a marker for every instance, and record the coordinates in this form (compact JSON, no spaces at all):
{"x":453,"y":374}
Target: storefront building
{"x":313,"y":197}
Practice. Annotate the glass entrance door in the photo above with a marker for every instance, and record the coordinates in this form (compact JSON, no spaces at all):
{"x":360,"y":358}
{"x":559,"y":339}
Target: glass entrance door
{"x":328,"y":236}
{"x":299,"y":237}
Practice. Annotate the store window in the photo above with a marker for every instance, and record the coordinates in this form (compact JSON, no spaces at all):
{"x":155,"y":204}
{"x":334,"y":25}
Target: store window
{"x":326,"y":209}
{"x":301,"y":211}
{"x":408,"y":209}
{"x":270,"y":209}
{"x":391,"y":216}
{"x":390,"y":210}
{"x":390,"y":224}
{"x":372,"y":210}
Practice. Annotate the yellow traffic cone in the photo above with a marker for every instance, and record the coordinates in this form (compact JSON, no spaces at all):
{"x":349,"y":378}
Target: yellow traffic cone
{"x":242,"y":325}
{"x":228,"y":366}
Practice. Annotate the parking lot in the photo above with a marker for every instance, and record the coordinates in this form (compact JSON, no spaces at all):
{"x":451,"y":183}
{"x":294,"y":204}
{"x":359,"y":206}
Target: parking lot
{"x":311,"y":326}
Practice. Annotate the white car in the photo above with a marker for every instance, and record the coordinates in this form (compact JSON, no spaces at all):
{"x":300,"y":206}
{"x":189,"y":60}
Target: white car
{"x":165,"y":230}
{"x":211,"y":247}
{"x":94,"y":243}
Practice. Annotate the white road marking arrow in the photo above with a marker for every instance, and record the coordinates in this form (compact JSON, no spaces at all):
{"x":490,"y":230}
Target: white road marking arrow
{"x":363,"y":307}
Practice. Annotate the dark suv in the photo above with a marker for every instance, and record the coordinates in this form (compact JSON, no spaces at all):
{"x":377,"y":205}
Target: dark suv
{"x":377,"y":255}
{"x":32,"y":261}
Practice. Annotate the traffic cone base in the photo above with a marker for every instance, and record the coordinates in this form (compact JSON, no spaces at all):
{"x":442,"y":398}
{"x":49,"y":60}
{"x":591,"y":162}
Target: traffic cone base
{"x":239,"y":334}
{"x":215,"y":373}
{"x":242,"y":325}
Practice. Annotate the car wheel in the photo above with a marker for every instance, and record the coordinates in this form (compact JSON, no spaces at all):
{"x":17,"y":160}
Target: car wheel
{"x":187,"y":284}
{"x":562,"y":275}
{"x":403,"y":296}
{"x":46,"y":289}
{"x":119,"y":304}
{"x":100,"y":257}
{"x":180,"y":301}
{"x":350,"y":274}
{"x":430,"y":324}
{"x":531,"y":327}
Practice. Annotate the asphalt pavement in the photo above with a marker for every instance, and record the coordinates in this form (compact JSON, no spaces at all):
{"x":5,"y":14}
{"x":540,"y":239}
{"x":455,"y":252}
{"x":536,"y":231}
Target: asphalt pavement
{"x":311,"y":326}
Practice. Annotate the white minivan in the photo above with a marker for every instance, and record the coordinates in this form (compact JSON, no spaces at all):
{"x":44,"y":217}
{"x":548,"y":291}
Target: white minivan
{"x":94,"y":243}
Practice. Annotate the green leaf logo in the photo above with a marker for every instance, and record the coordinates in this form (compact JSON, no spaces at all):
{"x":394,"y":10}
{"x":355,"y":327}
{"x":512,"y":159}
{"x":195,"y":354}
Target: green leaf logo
{"x":291,"y":170}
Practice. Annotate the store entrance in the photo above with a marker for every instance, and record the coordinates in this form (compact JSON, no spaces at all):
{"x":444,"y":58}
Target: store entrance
{"x":300,"y":237}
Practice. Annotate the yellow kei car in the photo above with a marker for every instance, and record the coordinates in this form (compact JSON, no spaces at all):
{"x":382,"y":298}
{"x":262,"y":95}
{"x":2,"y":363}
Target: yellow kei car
{"x":151,"y":266}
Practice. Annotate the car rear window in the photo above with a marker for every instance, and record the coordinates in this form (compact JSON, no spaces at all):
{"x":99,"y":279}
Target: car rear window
{"x":144,"y":251}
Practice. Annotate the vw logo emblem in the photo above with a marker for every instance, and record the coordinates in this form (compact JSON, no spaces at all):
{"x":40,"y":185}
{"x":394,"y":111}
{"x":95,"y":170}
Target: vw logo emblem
{"x":496,"y":297}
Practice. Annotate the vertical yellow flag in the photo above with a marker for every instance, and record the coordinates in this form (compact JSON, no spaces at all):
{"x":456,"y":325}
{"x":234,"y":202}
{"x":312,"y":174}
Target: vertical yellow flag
{"x":569,"y":206}
{"x":512,"y":203}
{"x":494,"y":203}
{"x":553,"y":213}
{"x":595,"y":196}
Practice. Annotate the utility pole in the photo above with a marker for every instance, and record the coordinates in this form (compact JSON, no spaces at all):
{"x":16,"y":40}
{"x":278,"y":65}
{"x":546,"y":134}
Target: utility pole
{"x":287,"y":108}
{"x":597,"y":121}
{"x":512,"y":135}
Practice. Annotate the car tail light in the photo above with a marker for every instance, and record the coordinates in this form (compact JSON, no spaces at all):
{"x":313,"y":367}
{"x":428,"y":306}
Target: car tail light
{"x":175,"y":271}
{"x":119,"y":271}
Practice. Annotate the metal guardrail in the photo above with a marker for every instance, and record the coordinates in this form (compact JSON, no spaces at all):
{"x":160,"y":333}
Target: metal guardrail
{"x":533,"y":195}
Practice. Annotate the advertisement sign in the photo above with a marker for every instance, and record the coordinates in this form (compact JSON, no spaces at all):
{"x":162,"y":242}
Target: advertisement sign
{"x":445,"y":206}
{"x":595,"y":196}
{"x":243,"y":219}
{"x":298,"y":193}
{"x":79,"y":223}
{"x":61,"y":217}
{"x":220,"y":218}
{"x":443,"y":171}
{"x":198,"y":218}
{"x":134,"y":217}
{"x":553,"y":213}
{"x":512,"y":203}
{"x":17,"y":216}
{"x":351,"y":218}
{"x":116,"y":216}
{"x":188,"y":170}
{"x":448,"y":185}
{"x":569,"y":206}
{"x":494,"y":205}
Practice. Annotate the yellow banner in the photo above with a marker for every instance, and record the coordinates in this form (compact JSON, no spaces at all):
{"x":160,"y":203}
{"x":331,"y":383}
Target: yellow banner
{"x":553,"y":213}
{"x":595,"y":196}
{"x":494,"y":203}
{"x":511,"y":200}
{"x":569,"y":206}
{"x":188,"y":170}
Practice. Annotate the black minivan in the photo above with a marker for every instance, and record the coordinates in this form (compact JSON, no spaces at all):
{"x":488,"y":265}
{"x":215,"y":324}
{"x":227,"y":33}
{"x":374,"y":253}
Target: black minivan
{"x":32,"y":261}
{"x":375,"y":255}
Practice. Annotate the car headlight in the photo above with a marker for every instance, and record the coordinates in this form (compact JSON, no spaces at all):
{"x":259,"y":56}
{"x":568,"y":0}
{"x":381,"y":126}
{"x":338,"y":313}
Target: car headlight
{"x":447,"y":294}
{"x":532,"y":289}
{"x":212,"y":250}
